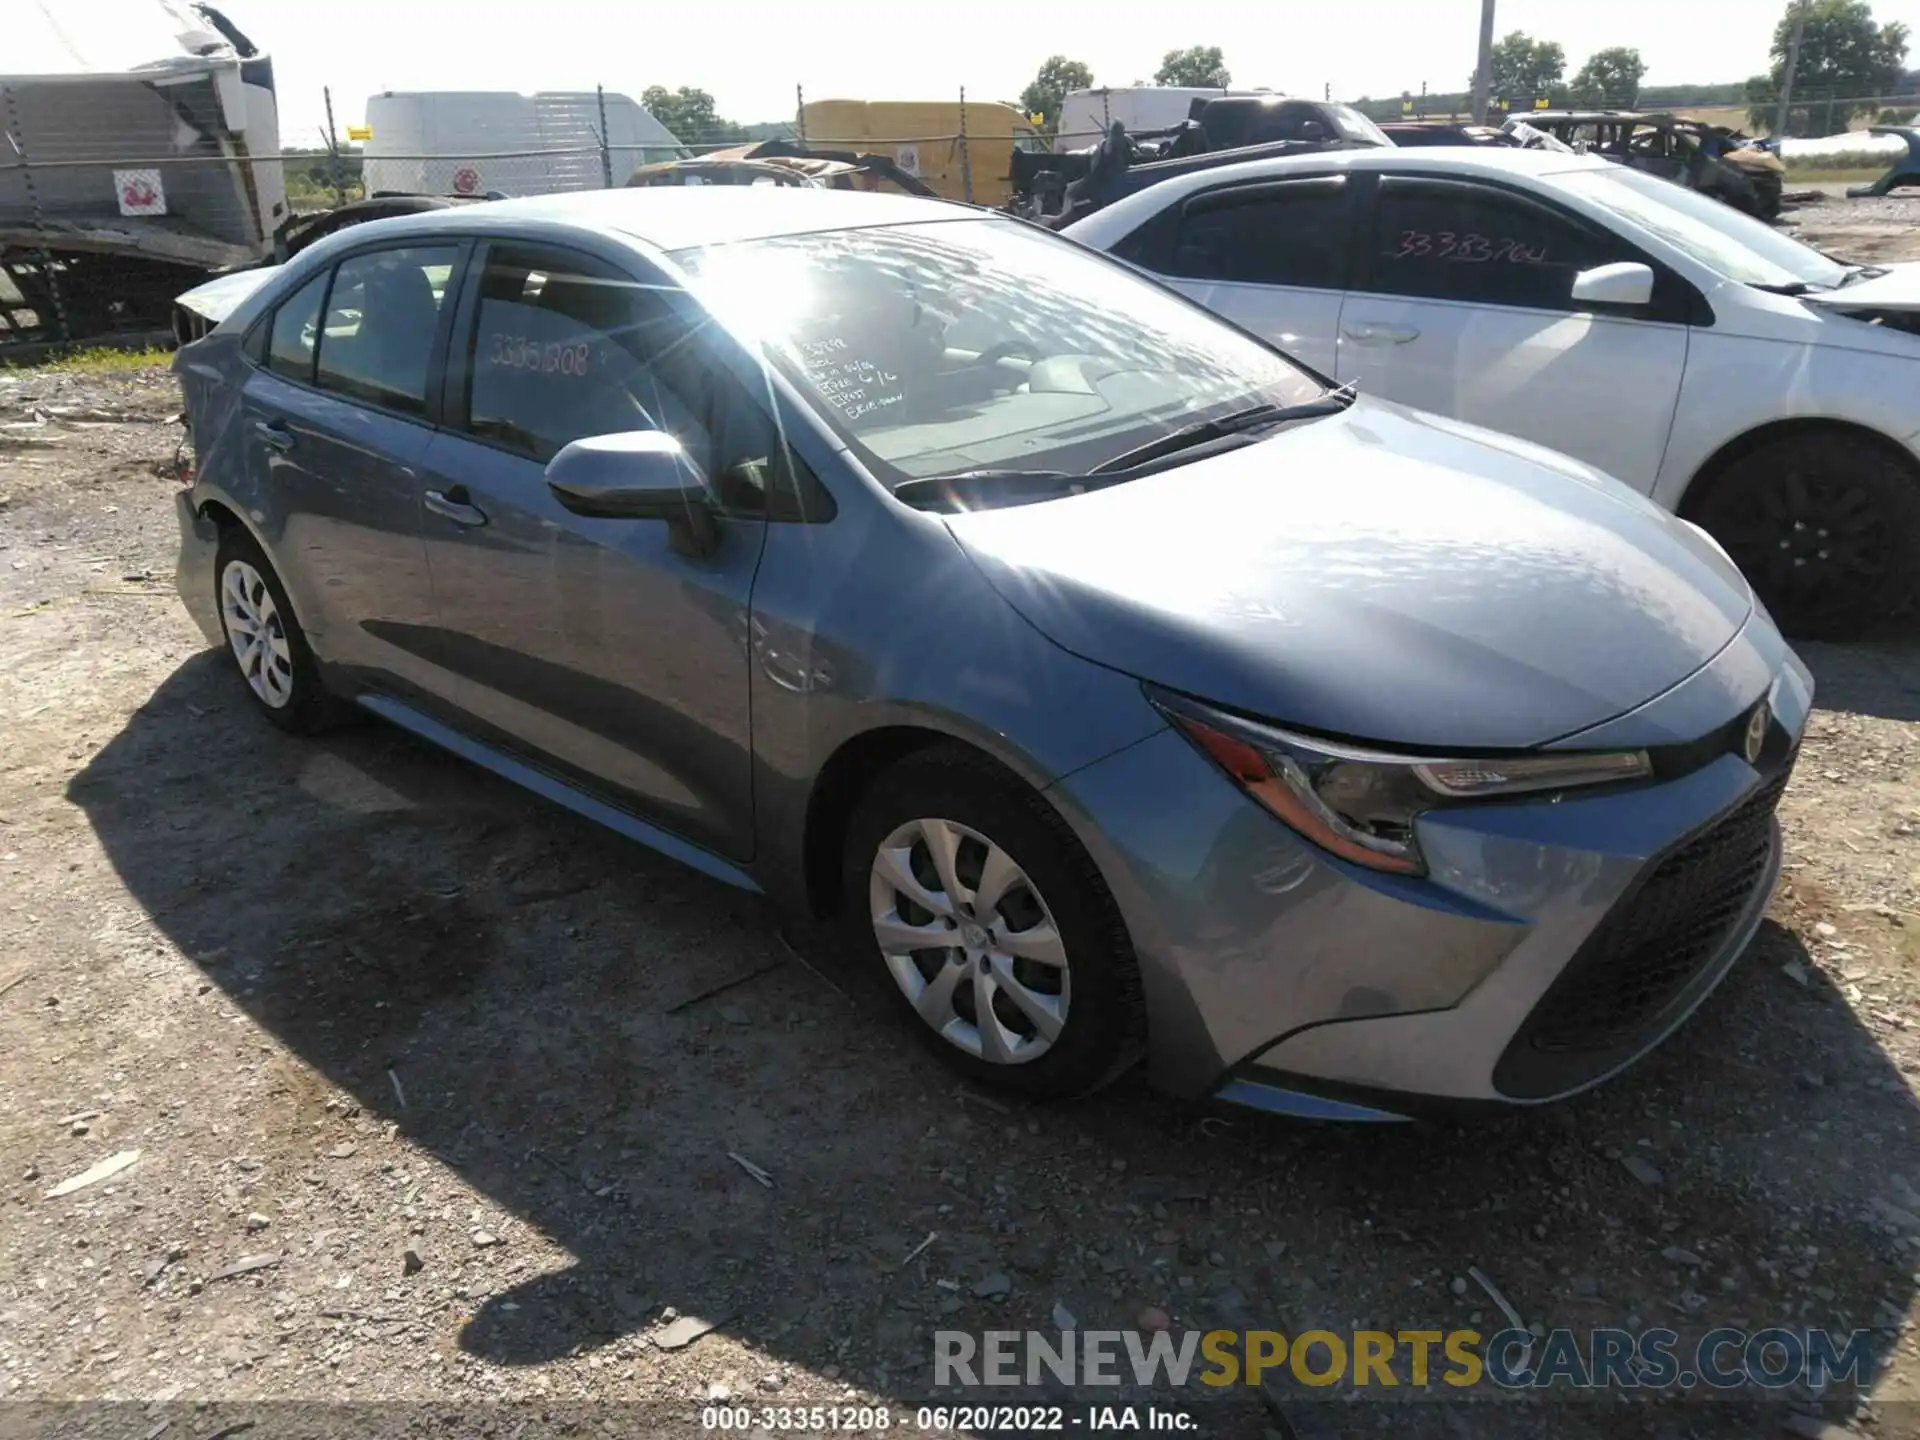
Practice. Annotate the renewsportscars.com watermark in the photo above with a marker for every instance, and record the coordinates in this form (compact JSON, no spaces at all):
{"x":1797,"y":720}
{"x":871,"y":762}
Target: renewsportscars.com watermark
{"x":1453,"y":1360}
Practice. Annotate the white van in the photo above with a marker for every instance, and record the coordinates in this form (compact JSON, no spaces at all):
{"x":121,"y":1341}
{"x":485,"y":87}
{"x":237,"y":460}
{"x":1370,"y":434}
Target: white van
{"x":472,"y":142}
{"x":1086,"y":114}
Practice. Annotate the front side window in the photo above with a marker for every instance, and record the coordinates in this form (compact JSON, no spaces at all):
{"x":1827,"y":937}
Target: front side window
{"x":296,"y":331}
{"x":1441,"y":241}
{"x":947,"y":346}
{"x":565,"y":346}
{"x":1291,"y":233}
{"x":382,"y":316}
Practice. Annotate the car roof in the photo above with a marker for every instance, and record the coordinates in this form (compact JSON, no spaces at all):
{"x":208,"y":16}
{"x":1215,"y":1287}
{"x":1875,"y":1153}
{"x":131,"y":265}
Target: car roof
{"x":1485,"y":162}
{"x":683,"y":217}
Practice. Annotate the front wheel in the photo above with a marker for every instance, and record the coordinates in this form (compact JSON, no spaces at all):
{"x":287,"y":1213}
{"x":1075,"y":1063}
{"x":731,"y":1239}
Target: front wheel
{"x":972,"y":903}
{"x":1826,"y":526}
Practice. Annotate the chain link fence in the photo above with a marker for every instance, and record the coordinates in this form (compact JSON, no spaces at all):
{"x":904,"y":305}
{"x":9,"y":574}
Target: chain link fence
{"x":1816,"y":110}
{"x":115,"y":197}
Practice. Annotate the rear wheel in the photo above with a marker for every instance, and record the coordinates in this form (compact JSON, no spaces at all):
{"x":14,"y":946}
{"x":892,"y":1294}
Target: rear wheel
{"x":1826,"y":527}
{"x":971,"y":902}
{"x":266,"y":641}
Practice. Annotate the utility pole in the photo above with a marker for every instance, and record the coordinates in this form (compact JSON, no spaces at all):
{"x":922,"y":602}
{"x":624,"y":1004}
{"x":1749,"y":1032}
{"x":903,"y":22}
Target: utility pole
{"x":1483,"y":71}
{"x":1793,"y":63}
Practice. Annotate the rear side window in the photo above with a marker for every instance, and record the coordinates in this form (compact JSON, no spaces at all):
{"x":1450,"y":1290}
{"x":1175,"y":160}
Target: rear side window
{"x":1294,"y":233}
{"x":296,"y":331}
{"x":382,"y":317}
{"x":1480,"y":245}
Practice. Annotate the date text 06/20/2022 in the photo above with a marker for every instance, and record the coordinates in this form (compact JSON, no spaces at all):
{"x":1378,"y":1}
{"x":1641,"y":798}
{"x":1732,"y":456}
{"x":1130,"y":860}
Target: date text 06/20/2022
{"x":945,"y":1419}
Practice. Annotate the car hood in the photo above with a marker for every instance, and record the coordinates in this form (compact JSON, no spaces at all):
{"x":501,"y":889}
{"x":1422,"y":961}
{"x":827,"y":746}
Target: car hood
{"x":1898,"y":289}
{"x":1383,"y":575}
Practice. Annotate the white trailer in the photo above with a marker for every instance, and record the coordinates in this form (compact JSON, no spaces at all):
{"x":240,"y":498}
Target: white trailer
{"x":475,"y":142}
{"x":1086,"y":114}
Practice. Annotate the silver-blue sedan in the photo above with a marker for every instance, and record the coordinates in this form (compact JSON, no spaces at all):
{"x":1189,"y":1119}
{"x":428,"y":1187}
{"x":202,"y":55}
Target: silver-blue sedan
{"x":1118,"y":686}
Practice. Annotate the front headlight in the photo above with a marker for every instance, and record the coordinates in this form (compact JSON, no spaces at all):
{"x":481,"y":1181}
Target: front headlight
{"x":1360,"y":804}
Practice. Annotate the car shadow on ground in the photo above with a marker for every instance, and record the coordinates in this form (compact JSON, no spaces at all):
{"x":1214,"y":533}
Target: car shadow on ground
{"x":1879,"y":678}
{"x":536,"y":990}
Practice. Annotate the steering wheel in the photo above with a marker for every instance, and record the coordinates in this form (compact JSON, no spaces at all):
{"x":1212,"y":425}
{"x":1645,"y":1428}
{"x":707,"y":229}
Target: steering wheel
{"x":1006,"y":350}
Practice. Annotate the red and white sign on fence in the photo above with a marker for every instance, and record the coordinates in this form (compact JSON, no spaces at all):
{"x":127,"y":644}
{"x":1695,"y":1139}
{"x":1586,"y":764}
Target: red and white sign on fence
{"x":141,"y":192}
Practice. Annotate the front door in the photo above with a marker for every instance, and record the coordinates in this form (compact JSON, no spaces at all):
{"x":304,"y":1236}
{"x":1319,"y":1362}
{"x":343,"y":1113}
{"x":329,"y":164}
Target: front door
{"x":1465,"y":308}
{"x":601,"y":648}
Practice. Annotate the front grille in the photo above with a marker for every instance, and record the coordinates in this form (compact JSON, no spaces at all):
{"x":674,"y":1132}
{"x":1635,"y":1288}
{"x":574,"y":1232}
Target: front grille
{"x":1644,"y":957}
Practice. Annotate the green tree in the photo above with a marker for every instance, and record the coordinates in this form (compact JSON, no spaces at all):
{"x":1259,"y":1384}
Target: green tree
{"x":1199,"y":66}
{"x":1846,"y":59}
{"x":1610,"y":78}
{"x":689,"y":114}
{"x":1058,"y":78}
{"x":1524,"y":67}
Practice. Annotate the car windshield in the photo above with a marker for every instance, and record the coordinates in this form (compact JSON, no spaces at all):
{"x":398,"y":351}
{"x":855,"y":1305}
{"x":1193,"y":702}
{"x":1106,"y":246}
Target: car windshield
{"x":961,"y":345}
{"x":1727,"y":242}
{"x":1352,"y":125}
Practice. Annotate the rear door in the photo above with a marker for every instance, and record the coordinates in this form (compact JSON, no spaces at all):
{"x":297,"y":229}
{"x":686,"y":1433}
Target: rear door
{"x":1271,"y":255}
{"x":1464,"y":307}
{"x":337,"y":420}
{"x":596,"y":647}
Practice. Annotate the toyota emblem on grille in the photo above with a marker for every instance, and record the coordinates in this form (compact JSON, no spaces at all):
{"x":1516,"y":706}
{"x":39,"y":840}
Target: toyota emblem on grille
{"x":1756,"y":737}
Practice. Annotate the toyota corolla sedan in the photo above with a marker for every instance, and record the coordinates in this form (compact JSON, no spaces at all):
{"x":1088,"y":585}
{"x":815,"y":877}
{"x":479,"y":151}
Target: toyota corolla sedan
{"x":1118,"y":687}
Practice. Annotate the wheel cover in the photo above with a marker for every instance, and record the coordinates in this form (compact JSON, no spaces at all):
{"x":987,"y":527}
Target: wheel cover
{"x":969,"y":941}
{"x":1809,"y":540}
{"x":257,"y":634}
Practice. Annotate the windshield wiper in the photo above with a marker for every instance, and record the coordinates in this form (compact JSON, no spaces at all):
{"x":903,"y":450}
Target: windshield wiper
{"x":1791,"y":287}
{"x":1239,"y":421}
{"x":1856,"y":273}
{"x":923,"y":490}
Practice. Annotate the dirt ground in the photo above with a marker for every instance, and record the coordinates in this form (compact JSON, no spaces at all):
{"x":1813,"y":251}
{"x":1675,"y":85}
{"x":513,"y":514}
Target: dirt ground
{"x":431,"y":1103}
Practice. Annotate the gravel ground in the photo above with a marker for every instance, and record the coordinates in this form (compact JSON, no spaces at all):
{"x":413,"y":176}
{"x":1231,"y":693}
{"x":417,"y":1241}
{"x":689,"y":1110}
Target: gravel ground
{"x":431,"y":1101}
{"x":1868,"y":231}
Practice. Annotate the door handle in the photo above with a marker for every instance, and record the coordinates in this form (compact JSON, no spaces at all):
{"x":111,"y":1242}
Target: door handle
{"x":275,"y":435}
{"x":456,"y":505}
{"x":1369,"y":334}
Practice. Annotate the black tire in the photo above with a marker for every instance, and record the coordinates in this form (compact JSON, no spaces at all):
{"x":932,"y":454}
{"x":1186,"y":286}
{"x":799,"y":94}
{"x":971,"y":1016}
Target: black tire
{"x":1104,"y":1032}
{"x":308,"y":708}
{"x":1826,"y":526}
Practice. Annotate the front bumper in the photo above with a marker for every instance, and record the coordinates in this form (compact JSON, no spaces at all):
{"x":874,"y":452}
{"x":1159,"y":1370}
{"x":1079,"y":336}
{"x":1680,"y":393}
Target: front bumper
{"x":193,"y":573}
{"x":1278,"y":976}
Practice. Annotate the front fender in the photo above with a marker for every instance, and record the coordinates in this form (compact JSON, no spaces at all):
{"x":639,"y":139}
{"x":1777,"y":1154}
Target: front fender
{"x":1737,"y":387}
{"x":907,"y":638}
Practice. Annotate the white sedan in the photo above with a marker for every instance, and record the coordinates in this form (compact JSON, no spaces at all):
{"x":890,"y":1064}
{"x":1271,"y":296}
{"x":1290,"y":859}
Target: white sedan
{"x":1762,"y":389}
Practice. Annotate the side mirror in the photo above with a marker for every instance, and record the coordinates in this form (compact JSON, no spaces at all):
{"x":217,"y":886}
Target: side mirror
{"x":1622,"y":284}
{"x":637,"y":475}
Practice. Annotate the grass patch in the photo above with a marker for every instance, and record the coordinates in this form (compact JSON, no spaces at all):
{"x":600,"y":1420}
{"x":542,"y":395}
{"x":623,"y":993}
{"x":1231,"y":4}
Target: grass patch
{"x":1826,"y":175}
{"x":1874,"y":160}
{"x":98,"y":360}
